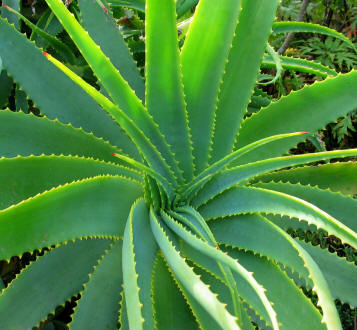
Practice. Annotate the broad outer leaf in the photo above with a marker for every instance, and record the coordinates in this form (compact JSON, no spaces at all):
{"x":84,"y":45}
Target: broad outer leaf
{"x":99,"y":303}
{"x":94,"y":207}
{"x":241,"y":72}
{"x":49,"y":282}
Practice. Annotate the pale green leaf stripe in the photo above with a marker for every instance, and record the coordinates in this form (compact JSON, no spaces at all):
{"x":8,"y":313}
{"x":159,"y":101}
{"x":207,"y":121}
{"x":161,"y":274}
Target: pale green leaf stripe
{"x":219,"y":256}
{"x":203,"y":62}
{"x":98,"y":306}
{"x":308,"y":109}
{"x":36,"y":174}
{"x":171,"y":309}
{"x":340,"y":274}
{"x":232,"y":176}
{"x":190,"y":280}
{"x":43,"y":136}
{"x":277,"y":64}
{"x":103,"y":30}
{"x":244,"y":200}
{"x":217,"y":166}
{"x":139,"y":251}
{"x":49,"y":282}
{"x":339,"y":177}
{"x":143,"y":144}
{"x":58,"y":45}
{"x":164,"y":90}
{"x":117,"y":88}
{"x":55,"y":94}
{"x":93,"y":207}
{"x":339,"y":206}
{"x":320,"y":286}
{"x":299,"y":64}
{"x":241,"y":72}
{"x":286,"y":27}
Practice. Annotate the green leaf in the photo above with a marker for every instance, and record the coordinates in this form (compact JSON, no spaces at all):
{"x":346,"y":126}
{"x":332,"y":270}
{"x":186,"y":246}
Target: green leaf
{"x":135,"y":4}
{"x":43,"y":136}
{"x":339,"y":177}
{"x":218,"y":255}
{"x":340,"y":207}
{"x":287,"y":27}
{"x":98,"y":306}
{"x":33,"y":175}
{"x":189,"y":279}
{"x":139,"y":251}
{"x":230,"y":177}
{"x":244,"y":200}
{"x":11,"y":17}
{"x":298,"y":64}
{"x":278,"y":245}
{"x":117,"y":88}
{"x":48,"y":282}
{"x":334,"y":97}
{"x":6,"y":85}
{"x":21,"y":100}
{"x":103,"y":30}
{"x":340,"y":274}
{"x":53,"y":92}
{"x":241,"y":72}
{"x":171,"y":309}
{"x":93,"y":207}
{"x":203,"y":62}
{"x":165,"y":99}
{"x":277,"y":65}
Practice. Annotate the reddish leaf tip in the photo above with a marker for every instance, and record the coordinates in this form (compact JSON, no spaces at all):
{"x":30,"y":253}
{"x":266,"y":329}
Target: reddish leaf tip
{"x":114,"y":154}
{"x":105,"y":10}
{"x":302,"y":133}
{"x":5,"y":5}
{"x":46,"y":54}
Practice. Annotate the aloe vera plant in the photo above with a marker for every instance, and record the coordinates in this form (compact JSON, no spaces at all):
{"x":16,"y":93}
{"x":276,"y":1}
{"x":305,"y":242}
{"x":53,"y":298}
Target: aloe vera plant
{"x":157,"y":202}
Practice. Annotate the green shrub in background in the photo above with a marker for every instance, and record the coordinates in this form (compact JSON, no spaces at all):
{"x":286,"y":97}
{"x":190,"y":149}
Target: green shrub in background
{"x":163,"y":210}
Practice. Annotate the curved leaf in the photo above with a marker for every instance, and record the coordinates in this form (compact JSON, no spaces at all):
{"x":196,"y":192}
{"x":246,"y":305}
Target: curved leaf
{"x":245,"y":200}
{"x":308,"y":109}
{"x":92,"y":207}
{"x":103,"y":289}
{"x":203,"y":64}
{"x":164,"y":90}
{"x":49,"y":282}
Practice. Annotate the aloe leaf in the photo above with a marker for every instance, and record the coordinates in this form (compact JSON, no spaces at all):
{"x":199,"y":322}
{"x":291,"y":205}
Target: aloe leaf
{"x":217,"y":166}
{"x":189,"y":279}
{"x":54,"y":93}
{"x":183,"y":6}
{"x":143,"y":144}
{"x":230,"y":177}
{"x":339,"y":177}
{"x":48,"y":282}
{"x":171,"y":309}
{"x":43,"y":136}
{"x":21,"y":102}
{"x":93,"y":207}
{"x":244,"y":200}
{"x":203,"y":63}
{"x":335,"y":97}
{"x":164,"y":90}
{"x":274,"y":239}
{"x":139,"y":251}
{"x":36,"y":174}
{"x":11,"y":17}
{"x":216,"y":254}
{"x":58,"y":45}
{"x":286,"y":27}
{"x":102,"y":289}
{"x":241,"y":72}
{"x":123,"y":315}
{"x":103,"y":30}
{"x":340,"y":274}
{"x":117,"y":88}
{"x":339,"y":206}
{"x":298,"y":64}
{"x":277,"y":65}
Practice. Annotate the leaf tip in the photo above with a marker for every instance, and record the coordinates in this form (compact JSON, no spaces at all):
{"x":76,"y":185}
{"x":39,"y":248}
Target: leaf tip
{"x":46,"y":54}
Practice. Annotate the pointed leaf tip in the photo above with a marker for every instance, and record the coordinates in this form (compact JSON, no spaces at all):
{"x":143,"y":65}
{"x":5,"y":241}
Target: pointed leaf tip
{"x":114,"y":154}
{"x":46,"y":54}
{"x":5,"y":5}
{"x":105,"y":9}
{"x":302,"y":133}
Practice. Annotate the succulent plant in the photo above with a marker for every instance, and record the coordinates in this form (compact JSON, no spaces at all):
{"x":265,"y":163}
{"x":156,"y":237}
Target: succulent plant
{"x":169,"y":208}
